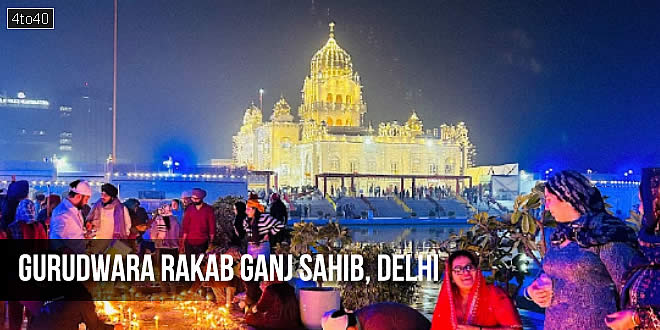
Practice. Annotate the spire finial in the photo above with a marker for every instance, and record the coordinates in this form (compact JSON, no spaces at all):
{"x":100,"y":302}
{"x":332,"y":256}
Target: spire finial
{"x":332,"y":29}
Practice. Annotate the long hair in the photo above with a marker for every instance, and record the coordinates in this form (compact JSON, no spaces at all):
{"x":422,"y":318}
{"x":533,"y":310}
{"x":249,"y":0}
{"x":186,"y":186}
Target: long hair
{"x":290,"y":309}
{"x":240,"y":210}
{"x":166,"y":219}
{"x":52,"y":202}
{"x":649,"y":190}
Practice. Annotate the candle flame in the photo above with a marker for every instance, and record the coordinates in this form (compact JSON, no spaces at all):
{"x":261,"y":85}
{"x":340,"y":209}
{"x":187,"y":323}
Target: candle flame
{"x":108,"y":309}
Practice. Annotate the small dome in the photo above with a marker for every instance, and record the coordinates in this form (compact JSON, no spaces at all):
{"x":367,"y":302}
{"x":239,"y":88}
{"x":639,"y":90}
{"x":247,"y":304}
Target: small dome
{"x":281,"y":111}
{"x":414,"y":123}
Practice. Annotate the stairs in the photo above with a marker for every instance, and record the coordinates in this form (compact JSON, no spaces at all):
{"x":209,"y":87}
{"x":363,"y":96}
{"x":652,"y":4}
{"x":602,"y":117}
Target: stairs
{"x":402,"y":204}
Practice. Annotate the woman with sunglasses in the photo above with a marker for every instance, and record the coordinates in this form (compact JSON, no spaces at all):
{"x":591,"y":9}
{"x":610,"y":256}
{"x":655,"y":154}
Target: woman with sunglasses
{"x":466,"y":302}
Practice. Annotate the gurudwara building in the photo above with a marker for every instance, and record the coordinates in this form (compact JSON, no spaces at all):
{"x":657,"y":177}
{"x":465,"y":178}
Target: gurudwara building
{"x":330,"y":135}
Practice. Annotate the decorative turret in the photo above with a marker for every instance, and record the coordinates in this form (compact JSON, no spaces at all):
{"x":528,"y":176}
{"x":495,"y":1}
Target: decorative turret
{"x":252,"y":118}
{"x":414,"y":125}
{"x":281,"y":111}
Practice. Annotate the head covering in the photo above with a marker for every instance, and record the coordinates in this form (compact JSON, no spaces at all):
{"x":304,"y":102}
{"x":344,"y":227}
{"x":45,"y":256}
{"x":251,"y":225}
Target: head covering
{"x":339,"y":322}
{"x":110,"y":190}
{"x":575,"y":189}
{"x":254,"y":203}
{"x":650,"y":194}
{"x":199,"y":193}
{"x":186,"y":194}
{"x":385,"y":315}
{"x":132,"y":203}
{"x":274,"y":197}
{"x":18,"y":190}
{"x":444,"y":316}
{"x":595,"y":226}
{"x":82,"y":187}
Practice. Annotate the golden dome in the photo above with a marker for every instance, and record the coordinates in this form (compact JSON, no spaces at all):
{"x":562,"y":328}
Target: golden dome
{"x":331,"y":59}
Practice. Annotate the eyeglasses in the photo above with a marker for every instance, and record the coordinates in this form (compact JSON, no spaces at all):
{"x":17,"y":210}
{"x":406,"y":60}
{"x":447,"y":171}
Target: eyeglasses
{"x":467,"y":268}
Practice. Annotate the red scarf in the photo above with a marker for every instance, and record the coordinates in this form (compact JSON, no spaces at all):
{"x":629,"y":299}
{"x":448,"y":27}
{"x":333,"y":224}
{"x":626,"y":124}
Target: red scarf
{"x":444,"y":316}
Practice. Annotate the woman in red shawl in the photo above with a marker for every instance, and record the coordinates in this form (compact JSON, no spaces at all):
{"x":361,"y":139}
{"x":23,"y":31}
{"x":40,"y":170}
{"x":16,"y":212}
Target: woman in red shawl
{"x":466,"y":302}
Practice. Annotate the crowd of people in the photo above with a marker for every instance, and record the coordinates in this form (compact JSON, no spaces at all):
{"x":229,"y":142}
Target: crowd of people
{"x":186,"y":225}
{"x":420,"y":192}
{"x":598,"y":273}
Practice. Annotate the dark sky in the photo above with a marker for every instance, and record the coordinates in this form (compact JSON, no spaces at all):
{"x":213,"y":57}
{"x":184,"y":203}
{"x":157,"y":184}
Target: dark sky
{"x":563,"y":84}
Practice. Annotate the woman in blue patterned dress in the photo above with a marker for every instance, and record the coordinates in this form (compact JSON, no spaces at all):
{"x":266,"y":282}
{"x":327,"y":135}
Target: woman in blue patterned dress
{"x":641,"y":295}
{"x":590,"y":253}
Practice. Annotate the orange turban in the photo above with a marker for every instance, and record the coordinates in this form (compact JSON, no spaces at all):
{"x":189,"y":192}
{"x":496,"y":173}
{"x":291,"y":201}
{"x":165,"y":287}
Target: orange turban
{"x":254,"y":203}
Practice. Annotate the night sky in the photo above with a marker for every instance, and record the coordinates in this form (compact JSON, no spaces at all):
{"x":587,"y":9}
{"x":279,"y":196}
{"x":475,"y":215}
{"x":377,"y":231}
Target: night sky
{"x":562,"y":84}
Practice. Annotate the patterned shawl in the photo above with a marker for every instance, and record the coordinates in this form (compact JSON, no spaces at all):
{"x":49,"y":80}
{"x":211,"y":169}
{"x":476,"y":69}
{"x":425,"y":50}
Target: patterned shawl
{"x":593,"y":230}
{"x":650,"y":193}
{"x":595,"y":226}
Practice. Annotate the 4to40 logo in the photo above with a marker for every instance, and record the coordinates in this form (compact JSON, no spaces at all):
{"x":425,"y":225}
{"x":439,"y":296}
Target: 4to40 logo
{"x":30,"y":18}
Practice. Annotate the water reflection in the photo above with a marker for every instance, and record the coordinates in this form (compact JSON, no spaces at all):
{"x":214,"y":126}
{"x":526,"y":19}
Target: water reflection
{"x":393,"y":233}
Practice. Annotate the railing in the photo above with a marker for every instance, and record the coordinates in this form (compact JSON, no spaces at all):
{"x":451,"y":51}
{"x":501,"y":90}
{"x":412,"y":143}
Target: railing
{"x":371,"y":206}
{"x":463,"y":200}
{"x":435,"y":203}
{"x":332,"y":202}
{"x":402,"y":204}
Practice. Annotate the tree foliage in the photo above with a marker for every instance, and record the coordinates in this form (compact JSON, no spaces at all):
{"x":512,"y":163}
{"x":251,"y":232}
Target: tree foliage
{"x":223,"y":208}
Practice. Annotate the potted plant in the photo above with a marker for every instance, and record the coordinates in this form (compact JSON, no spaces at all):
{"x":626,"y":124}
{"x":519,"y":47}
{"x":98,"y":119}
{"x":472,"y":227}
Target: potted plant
{"x":308,"y":238}
{"x":360,"y":294}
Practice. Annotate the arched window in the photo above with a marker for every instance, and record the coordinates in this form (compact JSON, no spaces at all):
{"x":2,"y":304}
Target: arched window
{"x":449,"y":165}
{"x":348,"y":122}
{"x":339,"y":122}
{"x":339,"y":100}
{"x":329,"y":98}
{"x":348,"y":99}
{"x":329,"y":121}
{"x":335,"y":164}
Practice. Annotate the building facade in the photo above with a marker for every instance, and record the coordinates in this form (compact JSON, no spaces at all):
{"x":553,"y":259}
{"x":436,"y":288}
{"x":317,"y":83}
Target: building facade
{"x":75,"y":126}
{"x":330,"y":135}
{"x":33,"y":129}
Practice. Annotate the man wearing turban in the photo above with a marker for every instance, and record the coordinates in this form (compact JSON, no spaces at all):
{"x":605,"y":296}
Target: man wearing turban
{"x":198,"y":224}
